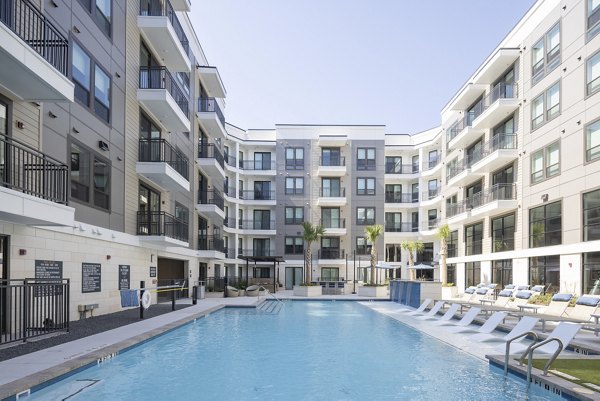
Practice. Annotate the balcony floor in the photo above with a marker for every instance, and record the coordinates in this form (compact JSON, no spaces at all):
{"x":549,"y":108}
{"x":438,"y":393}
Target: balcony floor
{"x":21,"y":208}
{"x":162,"y":175}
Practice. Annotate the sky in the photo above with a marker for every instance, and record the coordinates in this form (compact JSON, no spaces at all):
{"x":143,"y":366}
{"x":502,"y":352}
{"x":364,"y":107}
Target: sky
{"x":384,"y":62}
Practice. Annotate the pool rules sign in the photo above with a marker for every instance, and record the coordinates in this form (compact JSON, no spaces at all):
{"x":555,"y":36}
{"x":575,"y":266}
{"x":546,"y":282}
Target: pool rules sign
{"x":91,"y":277}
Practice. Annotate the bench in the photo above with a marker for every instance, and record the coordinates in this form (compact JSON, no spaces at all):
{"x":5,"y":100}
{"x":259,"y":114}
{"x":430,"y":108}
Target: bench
{"x":83,"y":309}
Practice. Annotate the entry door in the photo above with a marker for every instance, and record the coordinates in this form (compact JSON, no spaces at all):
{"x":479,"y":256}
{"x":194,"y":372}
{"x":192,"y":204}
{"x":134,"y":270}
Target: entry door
{"x":293,"y":276}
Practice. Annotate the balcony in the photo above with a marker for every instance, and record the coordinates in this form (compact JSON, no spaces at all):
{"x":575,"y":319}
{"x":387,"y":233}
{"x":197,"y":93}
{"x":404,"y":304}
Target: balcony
{"x":257,"y":197}
{"x":462,"y":132}
{"x":181,"y":5}
{"x":162,"y":164}
{"x":333,"y":141}
{"x":333,"y":226}
{"x":332,"y":197}
{"x":401,"y":228}
{"x":212,"y":247}
{"x":211,"y":117}
{"x":33,"y":186}
{"x":460,"y":172}
{"x":496,"y":65}
{"x":256,"y":253}
{"x":395,"y":168}
{"x":257,"y":167}
{"x":332,"y":167}
{"x":498,"y":152}
{"x":211,"y":81}
{"x":161,"y":95}
{"x":231,"y":253}
{"x":257,"y":227}
{"x":229,"y":224}
{"x":499,"y":104}
{"x":210,"y":160}
{"x":397,"y":197}
{"x":211,"y":204}
{"x":230,"y":162}
{"x":431,"y":167}
{"x":467,"y":96}
{"x":160,"y":27}
{"x":162,"y":228}
{"x":34,"y":55}
{"x":331,"y":254}
{"x":230,"y":192}
{"x":430,"y":226}
{"x":492,"y":201}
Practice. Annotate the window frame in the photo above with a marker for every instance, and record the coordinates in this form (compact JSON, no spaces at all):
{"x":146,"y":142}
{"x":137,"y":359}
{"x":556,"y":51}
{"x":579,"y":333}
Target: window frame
{"x":294,"y":189}
{"x":587,"y":150}
{"x":366,"y":163}
{"x":295,"y":163}
{"x":294,"y":220}
{"x":474,"y":248}
{"x":452,"y":242}
{"x":366,"y":221}
{"x":530,"y":223}
{"x":589,"y":93}
{"x":548,"y":65}
{"x":587,"y":270}
{"x":366,"y":189}
{"x":544,"y":95}
{"x":591,"y":31}
{"x":503,"y":230}
{"x":294,"y":245}
{"x":585,"y":226}
{"x":544,"y":170}
{"x":545,"y":265}
{"x":92,"y":9}
{"x":91,"y":188}
{"x":364,"y":248}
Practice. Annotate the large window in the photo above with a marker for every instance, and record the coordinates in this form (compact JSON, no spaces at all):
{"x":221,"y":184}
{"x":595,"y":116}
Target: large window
{"x":545,"y":270}
{"x":546,"y":106}
{"x":294,"y":246}
{"x":545,"y":55}
{"x":592,"y":74}
{"x":363,"y":246}
{"x":545,"y":163}
{"x":502,"y":272}
{"x":393,"y":222}
{"x":591,"y":273}
{"x":331,"y":157}
{"x":100,"y":10}
{"x":331,"y":187}
{"x":592,"y":141}
{"x":294,"y":185}
{"x":472,"y":274}
{"x":451,"y":273}
{"x":393,"y":164}
{"x":86,"y":74}
{"x":545,"y":225}
{"x":294,"y":215}
{"x":365,"y":216}
{"x":593,"y":18}
{"x":294,"y":158}
{"x":452,"y":244}
{"x":503,"y":233}
{"x":330,"y":218}
{"x":90,"y":177}
{"x":591,"y":215}
{"x":365,"y":186}
{"x":330,"y":274}
{"x":473,"y":239}
{"x":393,"y":252}
{"x":365,"y":159}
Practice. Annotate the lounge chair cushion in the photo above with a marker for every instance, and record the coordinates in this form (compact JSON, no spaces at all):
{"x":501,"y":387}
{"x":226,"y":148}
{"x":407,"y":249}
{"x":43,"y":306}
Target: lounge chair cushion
{"x":562,"y":297}
{"x":469,"y":290}
{"x":510,"y":287}
{"x":523,"y":295}
{"x":522,"y":287}
{"x":505,"y":293}
{"x":537,"y":288}
{"x":482,"y":291}
{"x":492,"y":286}
{"x":588,"y":301}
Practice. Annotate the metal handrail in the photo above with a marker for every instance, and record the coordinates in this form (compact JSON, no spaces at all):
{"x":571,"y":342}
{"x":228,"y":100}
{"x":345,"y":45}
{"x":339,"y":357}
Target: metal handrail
{"x":210,"y":105}
{"x":269,"y":293}
{"x":533,"y":347}
{"x":506,"y":355}
{"x":159,"y":77}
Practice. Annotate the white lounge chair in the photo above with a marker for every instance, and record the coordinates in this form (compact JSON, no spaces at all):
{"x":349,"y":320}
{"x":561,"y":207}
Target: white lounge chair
{"x":558,"y":305}
{"x":527,"y":323}
{"x":585,"y":306}
{"x":489,"y":325}
{"x":432,"y":312}
{"x":466,"y":320}
{"x":447,"y":316}
{"x":503,"y":298}
{"x":565,"y":332}
{"x":420,"y":309}
{"x":466,"y":296}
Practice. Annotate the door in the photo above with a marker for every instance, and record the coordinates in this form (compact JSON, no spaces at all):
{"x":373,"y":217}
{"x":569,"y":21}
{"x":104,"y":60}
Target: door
{"x":202,"y":234}
{"x":293,"y":276}
{"x":331,"y":187}
{"x":433,"y":158}
{"x":149,"y":212}
{"x":262,"y":161}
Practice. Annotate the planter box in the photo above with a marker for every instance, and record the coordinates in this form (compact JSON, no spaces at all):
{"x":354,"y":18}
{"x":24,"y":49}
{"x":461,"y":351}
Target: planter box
{"x":214,"y":294}
{"x":449,"y":292}
{"x":373,"y":292}
{"x":308,"y":291}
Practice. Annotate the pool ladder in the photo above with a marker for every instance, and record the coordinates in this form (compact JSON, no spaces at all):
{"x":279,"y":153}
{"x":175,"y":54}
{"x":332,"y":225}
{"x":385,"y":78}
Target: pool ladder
{"x":261,"y":288}
{"x":529,"y":352}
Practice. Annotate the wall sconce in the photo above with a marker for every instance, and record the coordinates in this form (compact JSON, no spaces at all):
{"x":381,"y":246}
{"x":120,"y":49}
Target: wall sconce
{"x":20,"y":124}
{"x":22,"y":252}
{"x":75,"y":29}
{"x":75,"y":130}
{"x":544,"y":197}
{"x":103,"y":146}
{"x":54,"y":4}
{"x":51,"y":114}
{"x":108,"y":257}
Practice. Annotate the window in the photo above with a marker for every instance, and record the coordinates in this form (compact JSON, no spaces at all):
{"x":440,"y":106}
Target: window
{"x":473,"y":239}
{"x":81,"y":73}
{"x":294,"y":246}
{"x":393,"y":252}
{"x":591,"y":273}
{"x":331,"y":157}
{"x":262,"y":161}
{"x":415,"y":164}
{"x":432,"y":220}
{"x":182,"y":214}
{"x":393,"y":193}
{"x":263,"y":272}
{"x":149,"y":211}
{"x":502,"y":272}
{"x":545,"y":270}
{"x":85,"y":167}
{"x":451,"y":273}
{"x":100,"y":10}
{"x":330,"y":248}
{"x":545,"y":55}
{"x":294,"y":215}
{"x":427,"y":255}
{"x":393,"y":222}
{"x":591,"y":215}
{"x":452,"y":244}
{"x":592,"y":74}
{"x":294,"y":185}
{"x":503,"y":233}
{"x":330,"y":274}
{"x":331,"y":187}
{"x":261,"y":247}
{"x":472,"y":274}
{"x":365,"y":216}
{"x":545,"y":163}
{"x":592,"y":141}
{"x":363,"y":246}
{"x":330,"y":218}
{"x":545,"y":225}
{"x":262,"y":220}
{"x":593,"y":18}
{"x":365,"y":159}
{"x":365,"y":186}
{"x":294,"y":158}
{"x":393,"y":165}
{"x":546,"y":106}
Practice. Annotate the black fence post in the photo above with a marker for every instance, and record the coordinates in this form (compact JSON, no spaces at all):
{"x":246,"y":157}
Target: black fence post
{"x":225,"y":284}
{"x":142,"y":286}
{"x":25,"y":309}
{"x":172,"y":295}
{"x":194,"y":295}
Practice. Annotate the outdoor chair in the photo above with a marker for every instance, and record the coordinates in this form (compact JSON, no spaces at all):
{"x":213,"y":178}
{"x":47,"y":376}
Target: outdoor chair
{"x":527,"y":323}
{"x":489,"y":325}
{"x":447,"y":316}
{"x":432,"y":312}
{"x":585,"y":306}
{"x":420,"y":309}
{"x":565,"y":332}
{"x":466,"y":320}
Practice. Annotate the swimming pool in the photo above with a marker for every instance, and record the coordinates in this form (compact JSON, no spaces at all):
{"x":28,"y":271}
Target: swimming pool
{"x":308,"y":351}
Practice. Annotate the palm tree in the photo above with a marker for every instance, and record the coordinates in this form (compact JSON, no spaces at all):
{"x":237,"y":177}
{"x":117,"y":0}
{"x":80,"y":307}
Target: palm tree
{"x":443,"y":234}
{"x":311,"y":234}
{"x":373,"y":233}
{"x":412,"y":247}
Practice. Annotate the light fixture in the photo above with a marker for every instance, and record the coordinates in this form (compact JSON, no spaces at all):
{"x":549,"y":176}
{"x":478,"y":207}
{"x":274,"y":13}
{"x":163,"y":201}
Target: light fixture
{"x":544,"y":197}
{"x":51,"y":114}
{"x":75,"y":130}
{"x":103,"y":146}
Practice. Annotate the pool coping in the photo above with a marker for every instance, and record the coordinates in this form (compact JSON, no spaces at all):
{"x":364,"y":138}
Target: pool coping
{"x":39,"y":380}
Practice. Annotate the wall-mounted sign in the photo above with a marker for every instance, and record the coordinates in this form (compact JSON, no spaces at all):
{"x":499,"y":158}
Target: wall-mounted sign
{"x":152,"y":271}
{"x":91,"y":277}
{"x":48,"y":271}
{"x":124,"y":277}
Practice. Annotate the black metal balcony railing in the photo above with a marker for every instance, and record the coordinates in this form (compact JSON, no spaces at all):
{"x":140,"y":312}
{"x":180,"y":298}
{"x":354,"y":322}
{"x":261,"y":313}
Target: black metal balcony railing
{"x":231,"y":253}
{"x":333,"y":223}
{"x":25,"y":169}
{"x":258,"y":252}
{"x":338,"y":161}
{"x":256,"y":224}
{"x":431,"y":162}
{"x":394,"y":168}
{"x":211,"y":243}
{"x":331,"y":253}
{"x":397,"y":197}
{"x":211,"y":197}
{"x":210,"y":151}
{"x":257,"y":195}
{"x":401,"y":227}
{"x":454,"y":169}
{"x":230,"y":191}
{"x":28,"y":23}
{"x":210,"y":105}
{"x":229,"y":222}
{"x":230,"y":160}
{"x":160,"y":151}
{"x":332,"y":192}
{"x":162,"y":8}
{"x":257,"y":164}
{"x":161,"y":224}
{"x":494,"y":193}
{"x":161,"y":78}
{"x":498,"y":142}
{"x":431,"y":193}
{"x":365,"y":221}
{"x":431,"y":224}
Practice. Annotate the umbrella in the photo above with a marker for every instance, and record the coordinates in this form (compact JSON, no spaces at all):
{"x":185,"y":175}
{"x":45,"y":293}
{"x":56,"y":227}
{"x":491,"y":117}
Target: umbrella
{"x":422,"y":266}
{"x":383,"y":265}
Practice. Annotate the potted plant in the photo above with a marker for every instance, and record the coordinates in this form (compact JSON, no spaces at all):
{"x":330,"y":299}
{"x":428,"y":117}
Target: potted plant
{"x":311,"y":234}
{"x":373,"y":289}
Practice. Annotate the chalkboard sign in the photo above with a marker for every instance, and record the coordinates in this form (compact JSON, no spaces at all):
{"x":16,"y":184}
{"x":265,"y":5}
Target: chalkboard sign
{"x":48,"y":271}
{"x":152,"y":271}
{"x":91,"y":277}
{"x":124,"y":277}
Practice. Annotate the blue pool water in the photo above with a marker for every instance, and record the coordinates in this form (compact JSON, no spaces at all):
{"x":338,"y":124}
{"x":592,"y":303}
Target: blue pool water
{"x":308,"y":351}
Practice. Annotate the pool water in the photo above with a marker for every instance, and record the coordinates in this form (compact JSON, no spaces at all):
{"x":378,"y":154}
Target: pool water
{"x":307,"y":351}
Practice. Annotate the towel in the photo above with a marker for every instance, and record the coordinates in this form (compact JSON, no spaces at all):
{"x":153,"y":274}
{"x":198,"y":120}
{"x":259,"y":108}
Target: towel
{"x":129,"y":298}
